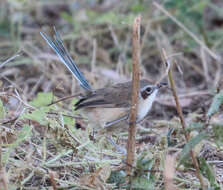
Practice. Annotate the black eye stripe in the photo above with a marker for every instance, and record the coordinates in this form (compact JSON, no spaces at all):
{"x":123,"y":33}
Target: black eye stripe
{"x":149,"y":89}
{"x":146,"y":92}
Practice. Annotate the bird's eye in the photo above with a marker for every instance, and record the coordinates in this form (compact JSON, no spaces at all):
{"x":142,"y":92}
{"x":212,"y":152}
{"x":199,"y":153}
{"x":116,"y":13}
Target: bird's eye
{"x":149,"y":90}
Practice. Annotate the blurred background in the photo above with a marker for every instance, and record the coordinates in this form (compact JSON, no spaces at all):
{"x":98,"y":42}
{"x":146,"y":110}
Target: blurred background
{"x":97,"y":33}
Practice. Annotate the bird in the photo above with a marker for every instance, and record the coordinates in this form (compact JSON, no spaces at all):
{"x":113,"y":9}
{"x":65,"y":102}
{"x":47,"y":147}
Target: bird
{"x":113,"y":101}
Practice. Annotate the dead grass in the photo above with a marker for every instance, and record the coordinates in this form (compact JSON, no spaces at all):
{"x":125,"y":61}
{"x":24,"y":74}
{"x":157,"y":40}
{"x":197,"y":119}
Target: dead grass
{"x":42,"y":147}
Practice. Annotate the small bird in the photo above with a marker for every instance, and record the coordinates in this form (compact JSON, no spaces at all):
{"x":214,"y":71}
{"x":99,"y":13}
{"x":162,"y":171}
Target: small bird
{"x":117,"y":96}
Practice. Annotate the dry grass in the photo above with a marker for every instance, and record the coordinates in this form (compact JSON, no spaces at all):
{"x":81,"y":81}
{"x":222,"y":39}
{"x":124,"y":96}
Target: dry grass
{"x":43,"y":147}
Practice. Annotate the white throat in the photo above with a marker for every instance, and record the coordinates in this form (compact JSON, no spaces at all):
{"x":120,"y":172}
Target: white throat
{"x":145,"y":105}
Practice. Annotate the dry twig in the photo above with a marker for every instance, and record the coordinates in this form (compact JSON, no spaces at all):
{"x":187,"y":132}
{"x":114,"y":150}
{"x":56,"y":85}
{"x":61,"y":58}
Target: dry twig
{"x":64,"y":98}
{"x":135,"y":91}
{"x":183,"y":124}
{"x":10,"y":59}
{"x":169,"y":172}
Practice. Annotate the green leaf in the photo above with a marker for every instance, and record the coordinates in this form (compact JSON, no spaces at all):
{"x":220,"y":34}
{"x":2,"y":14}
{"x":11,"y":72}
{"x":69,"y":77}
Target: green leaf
{"x":195,"y":126}
{"x":39,"y":115}
{"x":138,"y":7}
{"x":2,"y":110}
{"x":24,"y":134}
{"x":69,"y":121}
{"x":215,"y":105}
{"x":117,"y":177}
{"x":109,"y":17}
{"x":207,"y":171}
{"x":42,"y":99}
{"x":191,"y":144}
{"x":67,"y":17}
{"x":218,"y":131}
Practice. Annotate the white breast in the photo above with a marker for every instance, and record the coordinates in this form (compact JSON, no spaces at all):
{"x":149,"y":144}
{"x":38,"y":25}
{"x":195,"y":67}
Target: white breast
{"x":145,"y":105}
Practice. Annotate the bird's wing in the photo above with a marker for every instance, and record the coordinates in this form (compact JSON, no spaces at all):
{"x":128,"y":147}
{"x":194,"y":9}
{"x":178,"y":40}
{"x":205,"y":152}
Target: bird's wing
{"x":116,"y":96}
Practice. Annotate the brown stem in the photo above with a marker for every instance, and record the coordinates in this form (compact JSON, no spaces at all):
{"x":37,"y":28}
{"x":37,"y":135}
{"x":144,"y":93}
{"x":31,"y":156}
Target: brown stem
{"x":183,"y":124}
{"x":3,"y":179}
{"x":64,"y":98}
{"x":169,"y":172}
{"x":135,"y":91}
{"x":52,"y":180}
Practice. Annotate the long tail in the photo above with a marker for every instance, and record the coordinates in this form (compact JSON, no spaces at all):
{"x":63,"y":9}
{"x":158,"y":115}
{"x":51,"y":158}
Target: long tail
{"x":58,"y":46}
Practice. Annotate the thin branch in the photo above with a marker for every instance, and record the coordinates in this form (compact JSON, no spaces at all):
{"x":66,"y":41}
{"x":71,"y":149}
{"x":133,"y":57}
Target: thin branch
{"x":18,"y":98}
{"x":183,"y":124}
{"x":165,"y":74}
{"x":10,"y":59}
{"x":135,"y":92}
{"x":64,"y":98}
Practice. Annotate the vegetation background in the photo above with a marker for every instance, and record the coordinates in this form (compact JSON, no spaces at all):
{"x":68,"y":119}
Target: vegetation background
{"x":51,"y":147}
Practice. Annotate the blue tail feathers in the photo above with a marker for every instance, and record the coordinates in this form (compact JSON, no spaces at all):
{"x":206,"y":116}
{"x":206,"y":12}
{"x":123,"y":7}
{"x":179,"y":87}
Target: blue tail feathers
{"x":59,"y":48}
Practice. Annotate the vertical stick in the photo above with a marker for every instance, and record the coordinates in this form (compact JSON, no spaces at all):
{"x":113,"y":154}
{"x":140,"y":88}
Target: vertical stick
{"x":183,"y":124}
{"x":3,"y":178}
{"x":135,"y":92}
{"x":169,"y":172}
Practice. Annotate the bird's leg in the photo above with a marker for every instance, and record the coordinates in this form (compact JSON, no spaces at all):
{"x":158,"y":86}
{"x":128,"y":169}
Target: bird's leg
{"x":136,"y":122}
{"x":110,"y":123}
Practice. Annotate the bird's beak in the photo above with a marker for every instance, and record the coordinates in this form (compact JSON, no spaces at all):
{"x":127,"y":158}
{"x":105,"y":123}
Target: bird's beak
{"x":162,"y":85}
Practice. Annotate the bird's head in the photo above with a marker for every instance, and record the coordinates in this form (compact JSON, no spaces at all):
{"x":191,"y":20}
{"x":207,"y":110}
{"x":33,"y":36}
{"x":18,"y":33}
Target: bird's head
{"x":148,"y":90}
